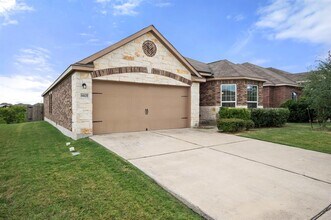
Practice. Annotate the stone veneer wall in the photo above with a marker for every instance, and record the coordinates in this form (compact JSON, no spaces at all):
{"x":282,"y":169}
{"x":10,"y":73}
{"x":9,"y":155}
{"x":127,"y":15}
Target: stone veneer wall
{"x":131,"y":54}
{"x":82,"y":125}
{"x":274,"y":96}
{"x":210,"y":97}
{"x":61,"y":104}
{"x":195,"y":100}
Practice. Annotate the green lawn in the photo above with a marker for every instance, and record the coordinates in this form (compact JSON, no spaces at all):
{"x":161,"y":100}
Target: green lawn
{"x":296,"y":135}
{"x":40,"y":179}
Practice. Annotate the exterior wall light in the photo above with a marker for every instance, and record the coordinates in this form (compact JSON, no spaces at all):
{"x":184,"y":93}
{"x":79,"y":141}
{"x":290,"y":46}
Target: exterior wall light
{"x":84,"y":85}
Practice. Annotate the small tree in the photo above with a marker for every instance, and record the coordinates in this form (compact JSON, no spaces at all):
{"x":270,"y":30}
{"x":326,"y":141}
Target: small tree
{"x":318,"y":90}
{"x":12,"y":114}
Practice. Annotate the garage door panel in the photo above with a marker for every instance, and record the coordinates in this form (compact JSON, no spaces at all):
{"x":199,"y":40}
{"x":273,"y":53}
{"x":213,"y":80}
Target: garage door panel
{"x":122,"y":107}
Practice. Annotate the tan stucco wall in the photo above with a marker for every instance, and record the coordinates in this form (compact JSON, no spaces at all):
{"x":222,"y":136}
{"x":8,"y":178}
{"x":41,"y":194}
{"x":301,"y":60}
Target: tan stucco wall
{"x":131,"y":54}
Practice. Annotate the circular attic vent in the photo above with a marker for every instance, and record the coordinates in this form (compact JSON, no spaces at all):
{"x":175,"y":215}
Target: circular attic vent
{"x":149,"y":48}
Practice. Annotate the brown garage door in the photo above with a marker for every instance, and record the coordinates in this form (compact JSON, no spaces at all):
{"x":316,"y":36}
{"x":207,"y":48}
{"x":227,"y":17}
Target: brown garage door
{"x":122,"y":107}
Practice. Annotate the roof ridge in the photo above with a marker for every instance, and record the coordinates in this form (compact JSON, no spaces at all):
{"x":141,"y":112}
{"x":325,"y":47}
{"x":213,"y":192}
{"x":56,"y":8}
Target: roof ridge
{"x":195,"y":60}
{"x":218,"y":61}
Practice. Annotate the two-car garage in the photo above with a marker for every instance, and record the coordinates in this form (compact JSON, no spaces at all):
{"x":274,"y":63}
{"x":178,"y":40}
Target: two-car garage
{"x":126,"y":107}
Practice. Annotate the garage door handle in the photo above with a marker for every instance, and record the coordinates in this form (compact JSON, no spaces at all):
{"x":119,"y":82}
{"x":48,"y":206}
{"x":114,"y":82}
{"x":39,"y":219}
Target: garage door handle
{"x":146,"y":111}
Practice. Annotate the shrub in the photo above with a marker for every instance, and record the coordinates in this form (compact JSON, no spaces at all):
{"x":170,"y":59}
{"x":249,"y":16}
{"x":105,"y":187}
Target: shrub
{"x":241,"y":113}
{"x":13,"y":114}
{"x":270,"y":117}
{"x":249,"y":124}
{"x":234,"y":124}
{"x":2,"y":121}
{"x":298,"y":110}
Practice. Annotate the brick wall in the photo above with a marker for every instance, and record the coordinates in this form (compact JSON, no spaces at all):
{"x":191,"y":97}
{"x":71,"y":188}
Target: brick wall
{"x":61,"y":104}
{"x":210,"y":94}
{"x":274,"y":96}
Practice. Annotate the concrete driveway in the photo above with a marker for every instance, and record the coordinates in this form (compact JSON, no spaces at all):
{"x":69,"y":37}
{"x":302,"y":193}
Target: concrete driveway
{"x":228,"y":177}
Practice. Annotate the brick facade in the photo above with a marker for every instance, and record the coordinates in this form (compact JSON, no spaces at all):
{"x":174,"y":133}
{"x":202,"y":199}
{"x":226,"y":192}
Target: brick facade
{"x":210,"y":94}
{"x":61,"y":104}
{"x":274,"y":96}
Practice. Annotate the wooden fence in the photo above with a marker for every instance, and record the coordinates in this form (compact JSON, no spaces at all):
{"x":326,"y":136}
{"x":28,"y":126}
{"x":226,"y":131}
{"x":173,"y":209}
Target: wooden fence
{"x":35,"y":112}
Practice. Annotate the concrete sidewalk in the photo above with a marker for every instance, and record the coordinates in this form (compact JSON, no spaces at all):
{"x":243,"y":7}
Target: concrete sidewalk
{"x":229,"y":177}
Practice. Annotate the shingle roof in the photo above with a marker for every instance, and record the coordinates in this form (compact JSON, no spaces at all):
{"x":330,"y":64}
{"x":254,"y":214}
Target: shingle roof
{"x":272,"y":77}
{"x":297,"y":77}
{"x":225,"y":68}
{"x":199,"y":66}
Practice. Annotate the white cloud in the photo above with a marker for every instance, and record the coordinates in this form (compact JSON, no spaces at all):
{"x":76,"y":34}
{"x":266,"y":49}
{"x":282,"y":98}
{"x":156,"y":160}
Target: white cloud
{"x":259,"y":61}
{"x":35,"y":59}
{"x":237,"y":18}
{"x":126,"y":7}
{"x":161,"y":3}
{"x":10,"y":7}
{"x":304,"y":20}
{"x":119,"y":7}
{"x":242,"y":42}
{"x":32,"y":76}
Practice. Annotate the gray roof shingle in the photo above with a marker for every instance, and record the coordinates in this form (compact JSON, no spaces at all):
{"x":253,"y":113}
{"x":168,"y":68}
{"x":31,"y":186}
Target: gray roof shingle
{"x":199,"y":66}
{"x":297,"y":77}
{"x":225,"y":68}
{"x":271,"y":77}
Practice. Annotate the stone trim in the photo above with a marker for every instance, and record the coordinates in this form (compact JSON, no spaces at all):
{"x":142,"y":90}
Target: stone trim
{"x":171,"y":75}
{"x":119,"y":70}
{"x":62,"y":129}
{"x":139,"y":69}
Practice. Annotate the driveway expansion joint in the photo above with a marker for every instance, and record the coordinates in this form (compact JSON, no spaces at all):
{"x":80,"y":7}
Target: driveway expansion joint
{"x":214,"y":145}
{"x":157,"y":155}
{"x":269,"y":165}
{"x":328,"y":208}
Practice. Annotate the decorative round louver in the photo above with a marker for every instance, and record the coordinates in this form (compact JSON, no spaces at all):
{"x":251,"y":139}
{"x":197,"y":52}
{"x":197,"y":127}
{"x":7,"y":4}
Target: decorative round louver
{"x":149,"y":48}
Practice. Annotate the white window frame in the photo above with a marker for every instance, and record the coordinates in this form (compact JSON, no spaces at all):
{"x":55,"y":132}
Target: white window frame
{"x":257,"y":95}
{"x":296,"y":96}
{"x":235,"y":98}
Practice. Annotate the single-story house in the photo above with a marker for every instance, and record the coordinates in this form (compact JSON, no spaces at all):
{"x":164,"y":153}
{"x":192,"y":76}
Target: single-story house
{"x":143,"y":83}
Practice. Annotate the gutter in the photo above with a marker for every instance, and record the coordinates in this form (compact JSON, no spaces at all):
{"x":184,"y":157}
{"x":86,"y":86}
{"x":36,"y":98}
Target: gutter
{"x":72,"y":68}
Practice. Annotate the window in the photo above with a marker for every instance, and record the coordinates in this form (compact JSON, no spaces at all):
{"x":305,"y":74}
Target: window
{"x":294,"y":96}
{"x":252,"y":94}
{"x":228,"y":95}
{"x":50,"y":104}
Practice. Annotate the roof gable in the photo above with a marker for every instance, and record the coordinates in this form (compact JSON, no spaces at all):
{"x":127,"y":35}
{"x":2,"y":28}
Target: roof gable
{"x":140,"y":33}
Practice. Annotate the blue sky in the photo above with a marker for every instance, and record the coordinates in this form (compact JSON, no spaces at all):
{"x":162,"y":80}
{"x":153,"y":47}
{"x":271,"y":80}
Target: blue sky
{"x":40,"y":39}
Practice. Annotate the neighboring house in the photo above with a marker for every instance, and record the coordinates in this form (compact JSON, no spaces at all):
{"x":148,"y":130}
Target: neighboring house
{"x":244,"y":86}
{"x":5,"y":105}
{"x":143,"y":83}
{"x":228,"y":85}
